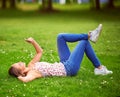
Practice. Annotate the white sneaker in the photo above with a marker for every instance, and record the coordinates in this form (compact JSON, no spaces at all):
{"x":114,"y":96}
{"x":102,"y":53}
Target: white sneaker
{"x":95,"y":33}
{"x":102,"y":71}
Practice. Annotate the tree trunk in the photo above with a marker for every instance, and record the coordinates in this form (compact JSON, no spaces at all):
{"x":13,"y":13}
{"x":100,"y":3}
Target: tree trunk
{"x":111,"y":4}
{"x":97,"y":4}
{"x":49,"y":7}
{"x":4,"y":4}
{"x":12,"y":4}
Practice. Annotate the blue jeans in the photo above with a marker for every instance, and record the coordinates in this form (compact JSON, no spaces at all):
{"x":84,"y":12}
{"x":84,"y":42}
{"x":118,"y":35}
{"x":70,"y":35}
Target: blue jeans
{"x":72,"y":60}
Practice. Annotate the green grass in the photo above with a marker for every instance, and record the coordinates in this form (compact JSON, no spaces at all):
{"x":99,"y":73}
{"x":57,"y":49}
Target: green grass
{"x":16,"y":25}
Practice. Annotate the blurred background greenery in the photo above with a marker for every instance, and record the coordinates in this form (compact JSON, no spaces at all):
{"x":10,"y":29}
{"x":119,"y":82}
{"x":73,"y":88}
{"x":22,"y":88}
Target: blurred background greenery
{"x":47,"y":5}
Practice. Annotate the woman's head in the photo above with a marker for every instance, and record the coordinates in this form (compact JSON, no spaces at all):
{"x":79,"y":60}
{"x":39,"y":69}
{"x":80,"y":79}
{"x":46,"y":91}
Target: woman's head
{"x":17,"y":69}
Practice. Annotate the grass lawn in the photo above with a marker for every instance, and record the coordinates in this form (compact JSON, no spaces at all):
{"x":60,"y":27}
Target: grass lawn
{"x":16,"y":25}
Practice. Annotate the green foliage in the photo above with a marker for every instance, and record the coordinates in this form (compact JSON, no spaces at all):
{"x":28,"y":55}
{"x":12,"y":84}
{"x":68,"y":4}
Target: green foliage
{"x":16,"y":25}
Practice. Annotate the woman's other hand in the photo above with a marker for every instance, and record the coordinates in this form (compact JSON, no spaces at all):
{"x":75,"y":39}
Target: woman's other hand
{"x":30,"y":40}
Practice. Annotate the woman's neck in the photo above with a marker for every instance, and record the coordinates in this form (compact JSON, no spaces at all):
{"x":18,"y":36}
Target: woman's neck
{"x":27,"y":69}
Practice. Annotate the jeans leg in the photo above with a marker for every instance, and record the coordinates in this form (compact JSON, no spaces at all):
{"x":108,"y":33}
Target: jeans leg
{"x":91,"y":55}
{"x":72,"y":37}
{"x":63,"y":49}
{"x":73,"y":63}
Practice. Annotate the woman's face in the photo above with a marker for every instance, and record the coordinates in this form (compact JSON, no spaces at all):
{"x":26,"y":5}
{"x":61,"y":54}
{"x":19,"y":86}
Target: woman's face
{"x":20,"y":66}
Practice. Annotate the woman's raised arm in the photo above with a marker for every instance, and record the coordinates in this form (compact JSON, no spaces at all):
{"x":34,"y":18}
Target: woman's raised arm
{"x":38,"y":49}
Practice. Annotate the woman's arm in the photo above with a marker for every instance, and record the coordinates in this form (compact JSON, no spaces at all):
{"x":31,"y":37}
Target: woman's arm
{"x":31,"y":75}
{"x":38,"y":49}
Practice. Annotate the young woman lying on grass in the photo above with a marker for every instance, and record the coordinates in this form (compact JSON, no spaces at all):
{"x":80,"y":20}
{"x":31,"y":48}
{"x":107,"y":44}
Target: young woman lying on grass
{"x":69,"y":62}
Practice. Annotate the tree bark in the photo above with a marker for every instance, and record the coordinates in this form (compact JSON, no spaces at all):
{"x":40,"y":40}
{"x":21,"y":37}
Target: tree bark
{"x":12,"y":4}
{"x":47,"y":5}
{"x":50,"y":5}
{"x":4,"y":4}
{"x":97,"y":4}
{"x":111,"y":4}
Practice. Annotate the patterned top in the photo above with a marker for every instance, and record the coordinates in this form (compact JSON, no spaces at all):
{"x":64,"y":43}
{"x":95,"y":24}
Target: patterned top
{"x":48,"y":69}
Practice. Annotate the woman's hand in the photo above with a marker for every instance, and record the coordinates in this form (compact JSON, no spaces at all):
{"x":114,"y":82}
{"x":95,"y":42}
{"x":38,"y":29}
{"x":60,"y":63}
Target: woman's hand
{"x":30,"y":40}
{"x":31,"y":75}
{"x":23,"y":79}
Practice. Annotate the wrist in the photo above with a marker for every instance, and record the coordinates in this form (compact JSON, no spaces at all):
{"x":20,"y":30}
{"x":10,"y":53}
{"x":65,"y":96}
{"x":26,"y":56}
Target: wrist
{"x":33,"y":41}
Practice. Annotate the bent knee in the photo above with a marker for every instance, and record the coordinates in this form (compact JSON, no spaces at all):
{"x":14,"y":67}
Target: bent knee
{"x":60,"y":36}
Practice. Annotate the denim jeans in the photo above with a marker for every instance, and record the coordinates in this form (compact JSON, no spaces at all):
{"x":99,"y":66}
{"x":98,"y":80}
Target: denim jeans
{"x":72,"y":60}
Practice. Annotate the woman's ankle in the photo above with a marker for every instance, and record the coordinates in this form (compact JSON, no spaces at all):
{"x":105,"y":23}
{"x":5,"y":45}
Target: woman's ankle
{"x":99,"y":67}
